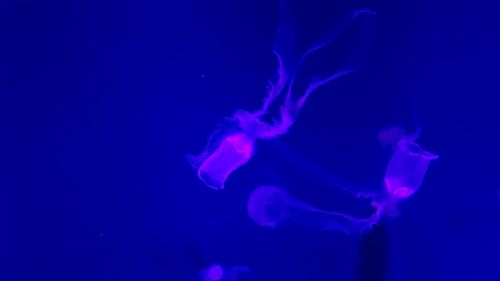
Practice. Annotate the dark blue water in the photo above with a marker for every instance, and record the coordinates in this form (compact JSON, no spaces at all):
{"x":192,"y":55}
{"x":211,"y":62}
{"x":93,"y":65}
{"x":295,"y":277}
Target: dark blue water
{"x":100,"y":101}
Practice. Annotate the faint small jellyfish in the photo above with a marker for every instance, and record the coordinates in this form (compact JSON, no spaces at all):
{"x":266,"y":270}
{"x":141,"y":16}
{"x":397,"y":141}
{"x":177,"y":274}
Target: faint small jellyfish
{"x":271,"y":206}
{"x":217,"y":272}
{"x":408,"y":165}
{"x":231,"y":148}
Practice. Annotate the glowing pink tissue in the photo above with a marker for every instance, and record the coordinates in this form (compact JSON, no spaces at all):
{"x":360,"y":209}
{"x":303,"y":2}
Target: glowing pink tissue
{"x":232,"y":152}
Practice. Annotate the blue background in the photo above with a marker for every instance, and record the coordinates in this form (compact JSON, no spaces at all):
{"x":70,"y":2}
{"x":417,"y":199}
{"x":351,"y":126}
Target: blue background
{"x":100,"y":101}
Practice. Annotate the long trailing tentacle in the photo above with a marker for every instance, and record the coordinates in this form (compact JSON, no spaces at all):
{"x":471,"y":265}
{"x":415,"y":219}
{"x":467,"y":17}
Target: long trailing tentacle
{"x":290,"y":65}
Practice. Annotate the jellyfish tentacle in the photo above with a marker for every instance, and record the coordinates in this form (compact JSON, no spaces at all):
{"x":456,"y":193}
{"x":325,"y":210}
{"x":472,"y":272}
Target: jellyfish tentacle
{"x":290,"y":109}
{"x":229,"y":150}
{"x":283,"y":50}
{"x":274,"y":88}
{"x":321,"y":43}
{"x":270,"y":206}
{"x":329,"y":220}
{"x":318,"y":173}
{"x":416,"y":119}
{"x":313,"y":86}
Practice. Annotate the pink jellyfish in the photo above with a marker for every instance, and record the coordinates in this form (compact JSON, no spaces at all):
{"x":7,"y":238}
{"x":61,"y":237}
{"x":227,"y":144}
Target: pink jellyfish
{"x":270,"y":206}
{"x":408,"y":165}
{"x":230,"y":149}
{"x":217,"y":272}
{"x":217,"y":162}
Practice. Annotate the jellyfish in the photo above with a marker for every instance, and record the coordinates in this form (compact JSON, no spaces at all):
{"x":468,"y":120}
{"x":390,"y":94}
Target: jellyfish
{"x":217,"y":272}
{"x":408,"y":165}
{"x":406,"y":169}
{"x":234,"y":146}
{"x":214,"y":167}
{"x":271,"y":207}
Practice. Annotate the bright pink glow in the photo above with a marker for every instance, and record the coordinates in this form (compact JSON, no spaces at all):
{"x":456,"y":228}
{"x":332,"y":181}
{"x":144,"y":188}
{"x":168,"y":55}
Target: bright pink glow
{"x":406,"y":169}
{"x":399,"y":192}
{"x":232,"y":152}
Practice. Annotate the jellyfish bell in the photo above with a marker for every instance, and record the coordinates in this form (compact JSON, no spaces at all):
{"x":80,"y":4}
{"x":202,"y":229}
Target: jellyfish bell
{"x":228,"y":149}
{"x":233,"y":151}
{"x":218,"y":272}
{"x":214,"y":272}
{"x":270,"y":206}
{"x":406,"y":169}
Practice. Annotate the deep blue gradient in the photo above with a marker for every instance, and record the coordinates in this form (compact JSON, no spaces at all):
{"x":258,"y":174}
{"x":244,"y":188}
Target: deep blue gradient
{"x":100,"y":101}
